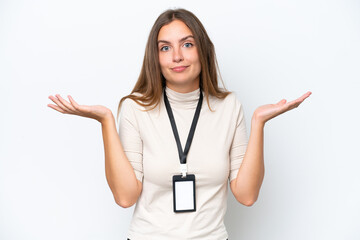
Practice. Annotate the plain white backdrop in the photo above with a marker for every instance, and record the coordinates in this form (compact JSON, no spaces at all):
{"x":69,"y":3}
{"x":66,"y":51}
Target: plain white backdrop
{"x":52,"y":173}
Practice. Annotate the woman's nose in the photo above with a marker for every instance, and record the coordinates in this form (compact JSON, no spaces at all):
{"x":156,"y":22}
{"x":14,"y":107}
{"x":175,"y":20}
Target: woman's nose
{"x":177,"y":55}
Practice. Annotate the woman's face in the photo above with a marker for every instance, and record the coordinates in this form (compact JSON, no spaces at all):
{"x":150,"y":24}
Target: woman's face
{"x":178,"y":57}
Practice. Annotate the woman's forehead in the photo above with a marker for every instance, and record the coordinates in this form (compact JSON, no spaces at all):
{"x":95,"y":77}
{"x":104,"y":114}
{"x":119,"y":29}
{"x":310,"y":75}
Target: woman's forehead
{"x":174,"y":31}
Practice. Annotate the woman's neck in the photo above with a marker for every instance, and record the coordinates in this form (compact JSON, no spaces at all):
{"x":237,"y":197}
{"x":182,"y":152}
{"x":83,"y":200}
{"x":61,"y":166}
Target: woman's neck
{"x":188,"y":100}
{"x":184,"y":88}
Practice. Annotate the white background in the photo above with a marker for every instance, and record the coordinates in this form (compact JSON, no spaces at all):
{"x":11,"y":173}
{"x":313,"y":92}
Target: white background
{"x":52,"y":175}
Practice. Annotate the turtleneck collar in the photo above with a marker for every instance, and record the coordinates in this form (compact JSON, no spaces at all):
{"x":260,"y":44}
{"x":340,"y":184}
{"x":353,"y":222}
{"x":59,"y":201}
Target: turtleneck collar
{"x":183,"y":100}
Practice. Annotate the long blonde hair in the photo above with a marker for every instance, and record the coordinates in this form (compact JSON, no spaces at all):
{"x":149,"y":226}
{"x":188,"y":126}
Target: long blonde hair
{"x":151,"y":82}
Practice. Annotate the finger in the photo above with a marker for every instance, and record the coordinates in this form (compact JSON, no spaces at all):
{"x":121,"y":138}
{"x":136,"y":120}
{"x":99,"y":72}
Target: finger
{"x":66,"y":104}
{"x":304,"y":96}
{"x":56,"y":100}
{"x":293,"y":104}
{"x":75,"y":104}
{"x":298,"y":101}
{"x":281,"y":102}
{"x":56,"y":108}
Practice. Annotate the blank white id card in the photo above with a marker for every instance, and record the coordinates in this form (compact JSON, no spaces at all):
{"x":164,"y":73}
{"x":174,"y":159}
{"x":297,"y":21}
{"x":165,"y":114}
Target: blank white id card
{"x":184,"y":193}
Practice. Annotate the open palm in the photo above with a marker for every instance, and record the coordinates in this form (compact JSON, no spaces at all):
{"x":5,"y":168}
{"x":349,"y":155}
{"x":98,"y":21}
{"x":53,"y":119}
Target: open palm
{"x":97,"y":112}
{"x":266,"y":112}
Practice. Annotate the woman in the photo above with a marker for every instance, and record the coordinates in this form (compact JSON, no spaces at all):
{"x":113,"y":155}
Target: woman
{"x":180,"y":194}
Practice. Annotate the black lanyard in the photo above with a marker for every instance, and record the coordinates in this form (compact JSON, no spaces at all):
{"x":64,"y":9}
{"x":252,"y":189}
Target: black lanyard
{"x":183,"y":155}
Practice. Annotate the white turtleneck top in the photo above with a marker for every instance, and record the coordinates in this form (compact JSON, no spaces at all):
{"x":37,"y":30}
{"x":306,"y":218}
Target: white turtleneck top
{"x":216,"y":153}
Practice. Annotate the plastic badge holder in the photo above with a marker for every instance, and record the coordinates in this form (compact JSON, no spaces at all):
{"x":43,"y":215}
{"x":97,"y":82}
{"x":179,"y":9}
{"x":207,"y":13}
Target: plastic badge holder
{"x":184,"y":193}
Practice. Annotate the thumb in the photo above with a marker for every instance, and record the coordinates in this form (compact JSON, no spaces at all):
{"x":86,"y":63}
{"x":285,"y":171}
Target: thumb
{"x":283,"y":101}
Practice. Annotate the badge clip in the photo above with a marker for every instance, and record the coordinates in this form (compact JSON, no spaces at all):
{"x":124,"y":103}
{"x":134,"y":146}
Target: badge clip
{"x":183,"y":169}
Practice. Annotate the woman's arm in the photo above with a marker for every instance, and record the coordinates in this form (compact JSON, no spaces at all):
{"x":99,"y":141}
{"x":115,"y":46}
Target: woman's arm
{"x":120,"y":175}
{"x":246,"y":185}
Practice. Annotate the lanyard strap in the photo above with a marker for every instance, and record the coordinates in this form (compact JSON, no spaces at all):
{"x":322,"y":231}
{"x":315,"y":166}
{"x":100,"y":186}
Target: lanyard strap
{"x":183,"y":154}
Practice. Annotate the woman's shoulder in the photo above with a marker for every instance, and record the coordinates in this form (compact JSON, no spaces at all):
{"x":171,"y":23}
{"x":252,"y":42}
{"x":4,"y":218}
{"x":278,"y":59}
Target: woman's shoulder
{"x":229,"y":101}
{"x":135,"y":102}
{"x":130,"y":99}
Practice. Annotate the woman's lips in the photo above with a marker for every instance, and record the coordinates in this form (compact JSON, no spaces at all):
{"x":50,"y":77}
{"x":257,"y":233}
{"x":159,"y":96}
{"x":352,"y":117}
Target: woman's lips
{"x":179,"y":69}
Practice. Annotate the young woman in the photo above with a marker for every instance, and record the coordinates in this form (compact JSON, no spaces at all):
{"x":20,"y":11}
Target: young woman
{"x":175,"y":153}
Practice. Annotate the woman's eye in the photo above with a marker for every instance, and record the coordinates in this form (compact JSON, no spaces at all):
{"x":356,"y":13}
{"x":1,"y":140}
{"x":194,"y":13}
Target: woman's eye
{"x":164,"y":48}
{"x":188,"y":44}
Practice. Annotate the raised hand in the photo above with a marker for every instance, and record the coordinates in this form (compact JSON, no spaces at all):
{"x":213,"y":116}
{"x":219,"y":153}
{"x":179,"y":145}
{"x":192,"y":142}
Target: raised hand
{"x":266,"y":112}
{"x":96,"y":112}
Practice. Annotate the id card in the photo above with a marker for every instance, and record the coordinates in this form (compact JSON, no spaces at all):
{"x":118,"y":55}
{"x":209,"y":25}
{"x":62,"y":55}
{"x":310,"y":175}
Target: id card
{"x":184,"y":193}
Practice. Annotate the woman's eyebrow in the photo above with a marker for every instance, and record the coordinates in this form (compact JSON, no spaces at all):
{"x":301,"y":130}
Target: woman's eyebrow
{"x":183,"y":39}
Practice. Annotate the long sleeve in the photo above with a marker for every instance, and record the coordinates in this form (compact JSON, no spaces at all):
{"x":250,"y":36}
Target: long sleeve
{"x":130,"y":137}
{"x":239,"y":143}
